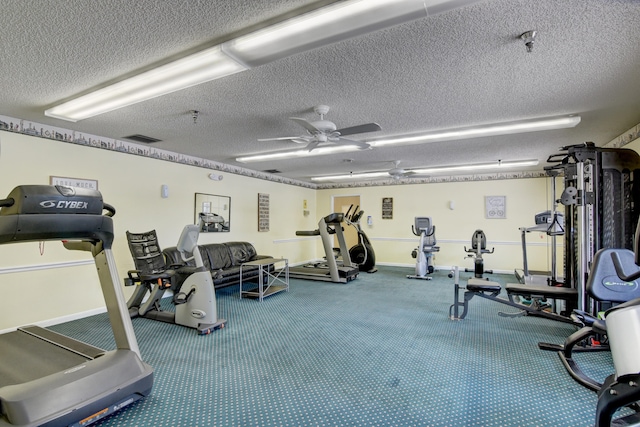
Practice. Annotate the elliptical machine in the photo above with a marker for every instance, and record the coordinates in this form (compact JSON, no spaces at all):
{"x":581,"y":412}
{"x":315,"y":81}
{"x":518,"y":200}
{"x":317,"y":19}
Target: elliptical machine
{"x":362,"y":253}
{"x":478,"y":248}
{"x":423,"y":254}
{"x":195,"y":302}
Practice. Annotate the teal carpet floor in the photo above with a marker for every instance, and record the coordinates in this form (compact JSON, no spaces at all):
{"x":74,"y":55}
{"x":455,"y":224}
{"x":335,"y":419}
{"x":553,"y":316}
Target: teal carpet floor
{"x":378,"y":351}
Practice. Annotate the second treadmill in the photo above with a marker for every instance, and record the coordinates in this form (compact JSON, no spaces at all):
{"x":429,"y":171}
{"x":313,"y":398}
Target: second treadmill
{"x":332,"y":272}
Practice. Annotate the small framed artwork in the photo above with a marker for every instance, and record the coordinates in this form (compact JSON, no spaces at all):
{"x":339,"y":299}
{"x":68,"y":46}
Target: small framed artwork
{"x":495,"y":207}
{"x":90,"y":184}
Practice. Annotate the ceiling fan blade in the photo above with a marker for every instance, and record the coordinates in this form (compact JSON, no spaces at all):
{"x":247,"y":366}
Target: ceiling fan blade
{"x":312,"y":145}
{"x":369,"y":127}
{"x":362,"y":145}
{"x":282,"y":138}
{"x":305,"y":124}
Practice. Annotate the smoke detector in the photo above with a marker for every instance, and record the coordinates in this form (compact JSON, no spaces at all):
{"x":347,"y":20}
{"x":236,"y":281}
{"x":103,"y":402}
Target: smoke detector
{"x":528,"y":38}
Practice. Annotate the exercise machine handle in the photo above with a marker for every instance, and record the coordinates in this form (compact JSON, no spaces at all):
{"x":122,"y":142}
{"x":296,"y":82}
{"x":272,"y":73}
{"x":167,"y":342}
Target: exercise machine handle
{"x":7,"y":202}
{"x":111,"y":211}
{"x":620,"y":269}
{"x":348,"y":210}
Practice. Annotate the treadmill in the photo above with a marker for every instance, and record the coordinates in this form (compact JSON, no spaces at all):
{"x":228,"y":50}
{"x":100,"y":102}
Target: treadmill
{"x":331,"y":272}
{"x":551,"y":223}
{"x":48,"y":379}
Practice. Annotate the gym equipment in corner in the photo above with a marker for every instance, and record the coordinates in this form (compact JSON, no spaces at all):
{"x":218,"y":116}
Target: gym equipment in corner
{"x":600,"y":187}
{"x":327,"y":226}
{"x":361,"y":253}
{"x":424,"y":228}
{"x":478,"y":248}
{"x":195,"y":302}
{"x":47,"y":378}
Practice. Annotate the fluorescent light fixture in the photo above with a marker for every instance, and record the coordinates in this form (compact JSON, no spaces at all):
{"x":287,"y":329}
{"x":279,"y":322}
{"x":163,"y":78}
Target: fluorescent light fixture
{"x":339,"y":21}
{"x":336,"y":22}
{"x":296,"y":154}
{"x":333,"y":23}
{"x":433,"y":170}
{"x":494,"y":129}
{"x":189,"y":71}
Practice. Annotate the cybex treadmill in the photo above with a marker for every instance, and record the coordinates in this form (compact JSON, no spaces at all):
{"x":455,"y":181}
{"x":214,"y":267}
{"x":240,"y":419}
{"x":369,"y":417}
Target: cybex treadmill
{"x":331,"y":272}
{"x":48,"y":379}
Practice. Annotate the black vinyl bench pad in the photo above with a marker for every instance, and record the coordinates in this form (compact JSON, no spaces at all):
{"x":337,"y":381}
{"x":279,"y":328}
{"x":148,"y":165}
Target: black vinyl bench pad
{"x":543,"y":291}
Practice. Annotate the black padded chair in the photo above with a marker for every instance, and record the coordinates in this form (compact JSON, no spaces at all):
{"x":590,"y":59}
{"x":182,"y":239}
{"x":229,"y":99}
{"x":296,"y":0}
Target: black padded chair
{"x":151,"y":274}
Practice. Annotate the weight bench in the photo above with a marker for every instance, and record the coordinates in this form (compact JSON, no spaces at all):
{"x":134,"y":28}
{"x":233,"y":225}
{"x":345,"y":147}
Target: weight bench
{"x":491,"y":291}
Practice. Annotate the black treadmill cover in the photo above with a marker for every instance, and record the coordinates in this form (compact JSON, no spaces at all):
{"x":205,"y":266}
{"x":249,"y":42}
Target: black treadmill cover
{"x":48,"y":212}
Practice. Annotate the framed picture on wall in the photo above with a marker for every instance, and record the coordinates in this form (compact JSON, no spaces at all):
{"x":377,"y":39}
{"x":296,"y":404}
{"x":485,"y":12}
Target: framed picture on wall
{"x":495,"y":207}
{"x":387,"y":208}
{"x":263,"y":212}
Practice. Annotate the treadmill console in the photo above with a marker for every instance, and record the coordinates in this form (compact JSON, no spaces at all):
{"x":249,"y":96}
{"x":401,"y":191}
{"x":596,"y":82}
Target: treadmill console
{"x":51,"y":199}
{"x":48,"y":212}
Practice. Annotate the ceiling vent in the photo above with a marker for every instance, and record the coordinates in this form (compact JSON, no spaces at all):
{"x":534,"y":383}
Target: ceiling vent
{"x":272,"y":171}
{"x":142,"y":138}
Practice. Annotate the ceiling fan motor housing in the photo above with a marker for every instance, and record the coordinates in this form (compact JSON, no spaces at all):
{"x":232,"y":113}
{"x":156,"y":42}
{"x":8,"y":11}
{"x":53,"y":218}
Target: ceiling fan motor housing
{"x":324,"y":125}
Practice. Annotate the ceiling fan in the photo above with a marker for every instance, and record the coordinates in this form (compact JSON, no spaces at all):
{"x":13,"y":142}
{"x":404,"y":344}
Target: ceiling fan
{"x":396,"y":172}
{"x":323,"y":131}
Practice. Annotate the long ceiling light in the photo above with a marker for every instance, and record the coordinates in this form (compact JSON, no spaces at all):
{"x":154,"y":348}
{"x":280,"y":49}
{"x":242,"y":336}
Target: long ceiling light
{"x":434,"y":170}
{"x":507,"y":128}
{"x":495,"y":129}
{"x":189,"y":71}
{"x":338,"y":21}
{"x":281,"y":155}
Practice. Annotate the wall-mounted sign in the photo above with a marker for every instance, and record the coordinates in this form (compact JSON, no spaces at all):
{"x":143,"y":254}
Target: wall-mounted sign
{"x":91,"y":184}
{"x":263,"y":212}
{"x":387,"y":208}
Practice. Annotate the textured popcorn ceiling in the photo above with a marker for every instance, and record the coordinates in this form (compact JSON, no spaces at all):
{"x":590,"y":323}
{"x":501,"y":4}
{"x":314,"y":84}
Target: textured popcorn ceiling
{"x":459,"y":68}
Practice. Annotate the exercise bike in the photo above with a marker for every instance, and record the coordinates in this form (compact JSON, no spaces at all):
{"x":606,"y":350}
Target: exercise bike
{"x":362,"y":253}
{"x":478,"y":248}
{"x":621,"y":326}
{"x":195,"y":302}
{"x":423,"y":254}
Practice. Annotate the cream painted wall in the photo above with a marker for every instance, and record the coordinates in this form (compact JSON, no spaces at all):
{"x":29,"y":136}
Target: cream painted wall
{"x":132,"y":185}
{"x":44,"y":293}
{"x":393,"y":239}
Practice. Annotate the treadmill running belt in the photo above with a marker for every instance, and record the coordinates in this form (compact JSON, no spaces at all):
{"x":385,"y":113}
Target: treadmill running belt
{"x":26,"y":358}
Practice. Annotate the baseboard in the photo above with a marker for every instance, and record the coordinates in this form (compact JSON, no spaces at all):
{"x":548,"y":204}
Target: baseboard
{"x":63,"y":319}
{"x":438,"y":267}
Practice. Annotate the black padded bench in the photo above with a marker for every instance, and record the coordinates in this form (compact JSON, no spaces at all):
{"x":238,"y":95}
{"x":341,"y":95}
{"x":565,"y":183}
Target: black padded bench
{"x":542,"y":291}
{"x":478,"y":285}
{"x":491,"y":291}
